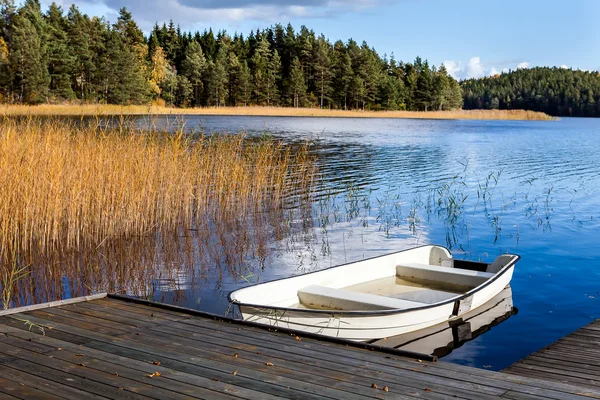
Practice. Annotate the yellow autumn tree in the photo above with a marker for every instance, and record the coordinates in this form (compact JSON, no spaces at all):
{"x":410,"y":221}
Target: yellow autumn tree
{"x":3,"y":51}
{"x":3,"y":68}
{"x":159,"y":68}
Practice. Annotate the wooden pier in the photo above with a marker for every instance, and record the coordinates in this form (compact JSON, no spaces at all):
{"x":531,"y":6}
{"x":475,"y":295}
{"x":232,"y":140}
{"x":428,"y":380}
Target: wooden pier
{"x":574,"y":359}
{"x":111,"y":347}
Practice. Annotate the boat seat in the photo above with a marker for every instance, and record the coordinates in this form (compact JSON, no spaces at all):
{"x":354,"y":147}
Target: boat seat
{"x":322,"y":297}
{"x":446,"y":275}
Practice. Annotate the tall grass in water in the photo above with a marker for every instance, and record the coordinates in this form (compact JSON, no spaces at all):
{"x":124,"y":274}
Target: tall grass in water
{"x":73,"y":186}
{"x":107,"y":109}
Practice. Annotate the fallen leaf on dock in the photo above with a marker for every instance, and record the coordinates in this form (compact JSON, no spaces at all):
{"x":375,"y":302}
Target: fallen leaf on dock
{"x":156,"y":362}
{"x":269,"y":364}
{"x":81,"y":364}
{"x":234,"y":373}
{"x":78,"y":355}
{"x":386,"y":389}
{"x":298,"y":338}
{"x":236,"y":355}
{"x":427,"y":390}
{"x":153,"y":375}
{"x":374,"y":386}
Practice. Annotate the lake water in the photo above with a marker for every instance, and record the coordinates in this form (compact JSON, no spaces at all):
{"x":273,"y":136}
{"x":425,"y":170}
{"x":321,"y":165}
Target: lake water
{"x":481,"y":188}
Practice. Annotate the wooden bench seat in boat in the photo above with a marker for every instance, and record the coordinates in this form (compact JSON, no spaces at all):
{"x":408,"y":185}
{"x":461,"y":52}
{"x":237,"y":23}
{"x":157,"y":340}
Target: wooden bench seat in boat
{"x":322,"y":297}
{"x":447,"y":275}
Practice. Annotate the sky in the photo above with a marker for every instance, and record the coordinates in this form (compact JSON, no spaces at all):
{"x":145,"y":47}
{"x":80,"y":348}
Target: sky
{"x":473,"y":38}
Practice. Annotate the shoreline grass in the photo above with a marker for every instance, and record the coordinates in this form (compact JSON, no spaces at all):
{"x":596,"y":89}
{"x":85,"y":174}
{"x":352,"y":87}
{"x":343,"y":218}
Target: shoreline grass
{"x":110,"y":110}
{"x":70,"y":186}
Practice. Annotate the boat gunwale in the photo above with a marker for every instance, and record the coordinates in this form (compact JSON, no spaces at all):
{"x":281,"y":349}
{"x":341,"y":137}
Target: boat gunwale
{"x":375,"y":313}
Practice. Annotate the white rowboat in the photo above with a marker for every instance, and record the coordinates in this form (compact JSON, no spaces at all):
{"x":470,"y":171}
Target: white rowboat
{"x":378,"y":297}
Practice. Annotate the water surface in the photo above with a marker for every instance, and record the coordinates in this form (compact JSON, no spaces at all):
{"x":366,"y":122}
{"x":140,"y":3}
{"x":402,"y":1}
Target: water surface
{"x":480,"y":188}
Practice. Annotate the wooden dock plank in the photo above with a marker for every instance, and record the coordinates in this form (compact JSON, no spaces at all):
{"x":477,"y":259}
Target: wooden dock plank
{"x":573,"y":359}
{"x":353,"y":370}
{"x":107,"y":347}
{"x":9,"y":388}
{"x":354,"y":380}
{"x":280,"y":382}
{"x":144,"y":366}
{"x":42,"y":384}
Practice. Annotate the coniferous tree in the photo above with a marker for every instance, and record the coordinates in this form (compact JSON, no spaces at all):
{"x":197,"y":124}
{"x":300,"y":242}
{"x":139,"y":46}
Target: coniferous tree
{"x":60,"y":59}
{"x":322,"y":70}
{"x":168,"y":87}
{"x":134,"y":86}
{"x":441,"y":88}
{"x":27,"y":61}
{"x":273,"y":73}
{"x":208,"y":43}
{"x":304,"y":49}
{"x":424,"y":87}
{"x":218,"y":78}
{"x":128,"y":29}
{"x":245,"y":84}
{"x":372,"y":74}
{"x":342,"y":75}
{"x":238,"y":78}
{"x":260,"y":64}
{"x":297,"y":84}
{"x":194,"y":66}
{"x":172,"y":44}
{"x":185,"y":91}
{"x":78,"y":37}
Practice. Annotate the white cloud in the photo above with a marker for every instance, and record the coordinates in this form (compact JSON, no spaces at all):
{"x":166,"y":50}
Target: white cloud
{"x":564,"y":66}
{"x":453,"y":67}
{"x":190,"y":13}
{"x":476,"y":68}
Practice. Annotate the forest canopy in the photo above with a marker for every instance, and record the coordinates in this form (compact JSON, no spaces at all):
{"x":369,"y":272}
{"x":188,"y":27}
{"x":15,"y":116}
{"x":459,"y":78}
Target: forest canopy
{"x":57,"y":56}
{"x":554,"y":91}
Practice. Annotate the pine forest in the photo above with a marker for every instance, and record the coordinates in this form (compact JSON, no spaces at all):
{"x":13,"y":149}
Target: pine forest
{"x":554,"y":91}
{"x":58,"y":56}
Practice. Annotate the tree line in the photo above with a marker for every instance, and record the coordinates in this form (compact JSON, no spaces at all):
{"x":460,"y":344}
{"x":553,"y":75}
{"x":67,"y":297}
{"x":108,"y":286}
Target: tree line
{"x":60,"y":56}
{"x":555,"y":91}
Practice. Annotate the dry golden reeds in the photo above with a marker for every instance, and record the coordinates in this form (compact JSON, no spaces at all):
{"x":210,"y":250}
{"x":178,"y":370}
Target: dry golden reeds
{"x":68,"y":186}
{"x":100,"y":109}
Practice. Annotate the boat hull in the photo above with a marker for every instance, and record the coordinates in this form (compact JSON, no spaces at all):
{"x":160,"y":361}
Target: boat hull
{"x":368,"y":326}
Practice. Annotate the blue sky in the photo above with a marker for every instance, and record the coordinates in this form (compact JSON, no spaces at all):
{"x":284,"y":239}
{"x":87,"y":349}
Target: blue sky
{"x":472,"y":38}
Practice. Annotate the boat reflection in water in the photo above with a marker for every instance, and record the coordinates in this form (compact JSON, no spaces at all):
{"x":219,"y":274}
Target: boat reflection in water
{"x":440,"y":340}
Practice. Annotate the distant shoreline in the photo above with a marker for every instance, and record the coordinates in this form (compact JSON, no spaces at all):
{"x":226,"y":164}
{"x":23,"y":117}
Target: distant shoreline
{"x":108,"y":110}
